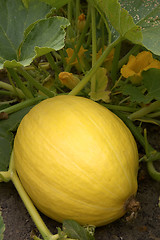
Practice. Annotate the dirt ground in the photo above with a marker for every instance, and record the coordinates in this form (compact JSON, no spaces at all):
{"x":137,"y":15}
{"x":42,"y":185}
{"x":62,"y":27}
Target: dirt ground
{"x":146,"y":226}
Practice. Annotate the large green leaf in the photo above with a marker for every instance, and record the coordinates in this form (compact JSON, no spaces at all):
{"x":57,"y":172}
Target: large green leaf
{"x":146,"y":14}
{"x":45,"y":36}
{"x":14,"y":19}
{"x":25,"y":33}
{"x":120,"y":19}
{"x":137,"y":21}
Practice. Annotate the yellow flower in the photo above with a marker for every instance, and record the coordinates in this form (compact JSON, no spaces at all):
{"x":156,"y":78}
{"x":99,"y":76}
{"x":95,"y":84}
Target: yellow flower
{"x":68,"y":79}
{"x":81,"y":52}
{"x":108,"y":61}
{"x":136,"y":65}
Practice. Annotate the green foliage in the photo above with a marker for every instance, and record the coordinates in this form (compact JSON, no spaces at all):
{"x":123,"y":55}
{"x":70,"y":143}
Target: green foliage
{"x":46,"y":35}
{"x":138,"y":22}
{"x":151,"y":80}
{"x":134,"y":92}
{"x":6,"y":136}
{"x":148,"y":90}
{"x":121,"y":20}
{"x":76,"y":231}
{"x":19,"y":48}
{"x":2,"y":227}
{"x":146,"y":14}
{"x":56,"y":3}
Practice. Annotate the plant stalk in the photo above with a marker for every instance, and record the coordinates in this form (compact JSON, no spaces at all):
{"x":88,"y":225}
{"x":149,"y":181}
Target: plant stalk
{"x":53,"y":65}
{"x":27,"y":76}
{"x":19,"y":83}
{"x":94,"y":47}
{"x":8,"y":87}
{"x":46,"y":234}
{"x":79,"y":43}
{"x":145,"y":110}
{"x":93,"y":70}
{"x":22,"y":105}
{"x":115,"y":63}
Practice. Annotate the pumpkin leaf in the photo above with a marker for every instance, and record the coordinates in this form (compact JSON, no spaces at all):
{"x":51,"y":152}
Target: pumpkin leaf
{"x":146,"y":14}
{"x":76,"y":231}
{"x":101,"y":86}
{"x":135,"y":93}
{"x":151,"y":80}
{"x":6,"y":136}
{"x":26,"y":33}
{"x":149,"y":89}
{"x":2,"y":227}
{"x":56,"y":3}
{"x":14,"y":19}
{"x":120,"y":20}
{"x":46,"y":35}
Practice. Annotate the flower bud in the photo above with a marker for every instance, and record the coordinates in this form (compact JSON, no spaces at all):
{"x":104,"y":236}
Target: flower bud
{"x":81,"y":22}
{"x":68,"y":79}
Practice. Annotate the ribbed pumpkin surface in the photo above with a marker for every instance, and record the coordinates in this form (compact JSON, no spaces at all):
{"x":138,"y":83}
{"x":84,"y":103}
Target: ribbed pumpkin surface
{"x":76,"y":160}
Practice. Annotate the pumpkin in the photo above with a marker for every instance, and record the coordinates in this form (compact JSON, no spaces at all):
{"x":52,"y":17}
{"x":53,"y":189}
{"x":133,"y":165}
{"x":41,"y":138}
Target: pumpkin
{"x":76,"y":160}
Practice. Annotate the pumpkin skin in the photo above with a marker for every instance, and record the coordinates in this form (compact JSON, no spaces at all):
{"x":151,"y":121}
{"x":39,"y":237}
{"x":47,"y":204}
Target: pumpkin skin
{"x":76,"y":160}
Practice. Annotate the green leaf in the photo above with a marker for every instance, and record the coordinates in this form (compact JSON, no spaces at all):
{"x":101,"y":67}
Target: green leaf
{"x":146,"y":14}
{"x":121,"y":20}
{"x":14,"y":19}
{"x":101,"y":86}
{"x":2,"y":227}
{"x":7,"y":137}
{"x":25,"y":34}
{"x":45,"y":36}
{"x":135,"y":93}
{"x":56,"y":3}
{"x":76,"y":231}
{"x":151,"y":80}
{"x":149,"y":89}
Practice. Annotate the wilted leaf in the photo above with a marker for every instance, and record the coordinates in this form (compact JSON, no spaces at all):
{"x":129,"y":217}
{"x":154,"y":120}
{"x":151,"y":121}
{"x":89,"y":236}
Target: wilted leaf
{"x":2,"y":227}
{"x":3,"y":115}
{"x":146,"y":14}
{"x":76,"y":231}
{"x":101,"y":86}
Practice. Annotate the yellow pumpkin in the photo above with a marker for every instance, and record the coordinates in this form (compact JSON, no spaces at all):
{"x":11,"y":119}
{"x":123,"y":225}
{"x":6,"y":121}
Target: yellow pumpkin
{"x":76,"y":160}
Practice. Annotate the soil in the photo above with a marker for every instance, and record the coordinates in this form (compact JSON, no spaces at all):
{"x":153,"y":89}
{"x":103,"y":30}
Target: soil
{"x":145,"y":226}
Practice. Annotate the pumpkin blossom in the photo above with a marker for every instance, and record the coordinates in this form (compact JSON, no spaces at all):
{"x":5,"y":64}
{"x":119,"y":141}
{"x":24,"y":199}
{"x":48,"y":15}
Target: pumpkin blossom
{"x":68,"y":79}
{"x":76,"y":62}
{"x":137,"y":64}
{"x":109,"y":58}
